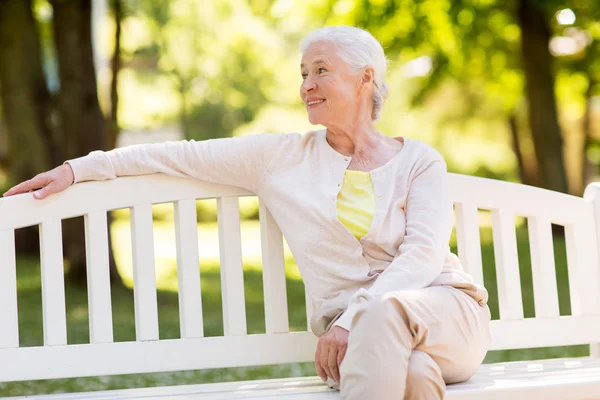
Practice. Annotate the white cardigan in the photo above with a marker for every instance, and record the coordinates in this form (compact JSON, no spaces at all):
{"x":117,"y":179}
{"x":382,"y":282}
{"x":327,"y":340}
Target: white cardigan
{"x":298,"y":177}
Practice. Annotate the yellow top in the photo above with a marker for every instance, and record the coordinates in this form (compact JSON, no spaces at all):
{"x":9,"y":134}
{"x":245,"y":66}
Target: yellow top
{"x":356,"y":202}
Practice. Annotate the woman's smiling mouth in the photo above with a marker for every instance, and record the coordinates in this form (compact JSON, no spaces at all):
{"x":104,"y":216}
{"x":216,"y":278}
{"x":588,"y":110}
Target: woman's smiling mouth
{"x":315,"y":103}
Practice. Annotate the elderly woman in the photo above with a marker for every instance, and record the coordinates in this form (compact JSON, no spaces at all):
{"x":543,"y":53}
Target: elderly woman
{"x":368,"y":218}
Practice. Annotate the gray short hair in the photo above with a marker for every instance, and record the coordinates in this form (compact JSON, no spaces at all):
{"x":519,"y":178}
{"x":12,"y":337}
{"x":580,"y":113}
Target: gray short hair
{"x":359,"y":49}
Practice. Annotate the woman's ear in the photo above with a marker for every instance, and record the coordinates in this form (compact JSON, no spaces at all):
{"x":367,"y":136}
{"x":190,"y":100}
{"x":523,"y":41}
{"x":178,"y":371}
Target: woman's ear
{"x":368,"y":75}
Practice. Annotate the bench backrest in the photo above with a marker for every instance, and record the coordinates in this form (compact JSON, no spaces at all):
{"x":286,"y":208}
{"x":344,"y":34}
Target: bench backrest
{"x":103,"y":356}
{"x":542,"y":208}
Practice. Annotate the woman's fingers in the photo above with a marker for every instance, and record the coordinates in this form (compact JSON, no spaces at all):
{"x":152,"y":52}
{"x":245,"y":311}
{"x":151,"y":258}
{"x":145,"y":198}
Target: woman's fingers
{"x":326,"y":348}
{"x":320,"y":371}
{"x":53,"y":187}
{"x":46,"y":183}
{"x":32,"y":184}
{"x":340,"y":356}
{"x":332,"y":363}
{"x":330,"y":353}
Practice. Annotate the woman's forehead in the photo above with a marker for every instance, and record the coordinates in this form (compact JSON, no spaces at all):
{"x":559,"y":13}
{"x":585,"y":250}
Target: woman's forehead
{"x":319,"y":53}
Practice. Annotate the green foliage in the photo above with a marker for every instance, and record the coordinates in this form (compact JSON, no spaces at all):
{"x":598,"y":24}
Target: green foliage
{"x":213,"y":54}
{"x":474,"y":43}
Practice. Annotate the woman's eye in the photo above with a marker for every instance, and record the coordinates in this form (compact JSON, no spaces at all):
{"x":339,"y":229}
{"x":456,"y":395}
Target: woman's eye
{"x":322,"y":70}
{"x":304,"y":76}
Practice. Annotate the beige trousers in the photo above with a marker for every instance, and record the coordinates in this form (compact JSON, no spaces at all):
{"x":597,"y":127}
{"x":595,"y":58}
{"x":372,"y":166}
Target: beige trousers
{"x":409,"y":344}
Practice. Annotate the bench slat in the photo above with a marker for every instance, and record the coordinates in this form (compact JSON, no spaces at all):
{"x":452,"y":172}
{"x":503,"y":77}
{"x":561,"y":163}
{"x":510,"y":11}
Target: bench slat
{"x":468,"y":240}
{"x":276,"y":307}
{"x":592,"y":197}
{"x":232,"y":276}
{"x":507,"y":264}
{"x":310,"y":307}
{"x":9,"y":317}
{"x":98,"y":277}
{"x":582,"y":263}
{"x":78,"y":360}
{"x":490,"y":194}
{"x":53,"y":283}
{"x":188,"y":269}
{"x":543,"y":269}
{"x":144,"y":276}
{"x":529,"y":333}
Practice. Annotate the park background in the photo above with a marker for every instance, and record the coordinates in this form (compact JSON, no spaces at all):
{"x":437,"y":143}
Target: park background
{"x":504,"y":89}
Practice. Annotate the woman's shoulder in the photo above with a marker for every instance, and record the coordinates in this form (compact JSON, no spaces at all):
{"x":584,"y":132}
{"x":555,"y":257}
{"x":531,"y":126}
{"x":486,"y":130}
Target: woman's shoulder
{"x":421,"y":151}
{"x":292,"y":143}
{"x":287,"y":138}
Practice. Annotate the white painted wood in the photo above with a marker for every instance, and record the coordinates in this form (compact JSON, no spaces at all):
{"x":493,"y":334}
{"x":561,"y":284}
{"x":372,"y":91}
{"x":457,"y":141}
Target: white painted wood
{"x":98,"y":277}
{"x":54,"y":314}
{"x":584,"y":272}
{"x":507,"y":264}
{"x":563,"y":378}
{"x":116,"y":358}
{"x":489,"y":194}
{"x":9,"y":318}
{"x":595,"y":349}
{"x":144,"y":276}
{"x":592,"y":197}
{"x":232,"y":277}
{"x":274,"y":284}
{"x":310,"y":308}
{"x":468,"y":240}
{"x":543,"y":269}
{"x":188,"y":269}
{"x":23,"y":210}
{"x":544,"y":332}
{"x":300,"y":388}
{"x":548,"y":379}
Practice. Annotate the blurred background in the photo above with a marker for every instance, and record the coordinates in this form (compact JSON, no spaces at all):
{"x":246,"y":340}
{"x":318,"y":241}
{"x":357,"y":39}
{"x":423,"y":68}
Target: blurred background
{"x":505,"y":89}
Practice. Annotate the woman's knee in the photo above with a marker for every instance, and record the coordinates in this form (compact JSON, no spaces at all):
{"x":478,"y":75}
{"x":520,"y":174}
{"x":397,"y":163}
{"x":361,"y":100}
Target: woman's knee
{"x":424,"y":377}
{"x":378,"y":312}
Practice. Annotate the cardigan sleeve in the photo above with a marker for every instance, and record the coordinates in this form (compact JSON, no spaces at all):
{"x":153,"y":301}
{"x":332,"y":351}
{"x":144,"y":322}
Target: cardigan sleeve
{"x":421,"y":254}
{"x":239,"y":161}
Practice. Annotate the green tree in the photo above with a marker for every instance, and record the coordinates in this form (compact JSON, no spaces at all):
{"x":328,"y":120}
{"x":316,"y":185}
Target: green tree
{"x":45,"y":128}
{"x":215,"y":66}
{"x":497,"y":51}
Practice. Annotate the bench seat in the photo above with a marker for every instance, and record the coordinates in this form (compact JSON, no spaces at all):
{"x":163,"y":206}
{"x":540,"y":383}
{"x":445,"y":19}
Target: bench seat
{"x":547,"y":379}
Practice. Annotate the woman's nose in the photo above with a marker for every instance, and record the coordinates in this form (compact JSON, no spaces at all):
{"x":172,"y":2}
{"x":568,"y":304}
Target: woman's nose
{"x":307,"y":85}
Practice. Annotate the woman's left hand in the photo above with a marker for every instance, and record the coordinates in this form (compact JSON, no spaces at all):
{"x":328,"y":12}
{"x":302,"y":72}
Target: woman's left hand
{"x":331,"y":350}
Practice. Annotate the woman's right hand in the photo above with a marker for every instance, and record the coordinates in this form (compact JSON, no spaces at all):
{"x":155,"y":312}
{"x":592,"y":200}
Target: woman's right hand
{"x":46,"y":183}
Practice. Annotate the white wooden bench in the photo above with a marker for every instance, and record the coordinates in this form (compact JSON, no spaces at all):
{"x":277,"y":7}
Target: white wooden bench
{"x":550,"y":379}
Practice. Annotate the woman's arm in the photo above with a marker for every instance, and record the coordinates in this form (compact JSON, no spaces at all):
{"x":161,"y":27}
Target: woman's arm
{"x":238,"y":161}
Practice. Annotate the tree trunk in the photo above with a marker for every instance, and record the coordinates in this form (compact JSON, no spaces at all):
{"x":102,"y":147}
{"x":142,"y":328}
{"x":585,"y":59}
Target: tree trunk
{"x":587,"y":133}
{"x":539,"y":80}
{"x":3,"y":142}
{"x":514,"y":136}
{"x":25,"y":103}
{"x":83,"y":123}
{"x":527,"y":170}
{"x":114,"y":83}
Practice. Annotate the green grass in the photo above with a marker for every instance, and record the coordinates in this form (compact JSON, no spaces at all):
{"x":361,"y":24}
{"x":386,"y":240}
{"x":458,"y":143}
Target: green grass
{"x":29,"y":297}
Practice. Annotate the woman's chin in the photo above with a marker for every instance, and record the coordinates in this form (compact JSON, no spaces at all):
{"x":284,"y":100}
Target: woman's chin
{"x":315,"y":120}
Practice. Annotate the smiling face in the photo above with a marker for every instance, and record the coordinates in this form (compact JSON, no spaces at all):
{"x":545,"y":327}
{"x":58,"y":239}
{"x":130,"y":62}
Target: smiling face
{"x":330,"y":90}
